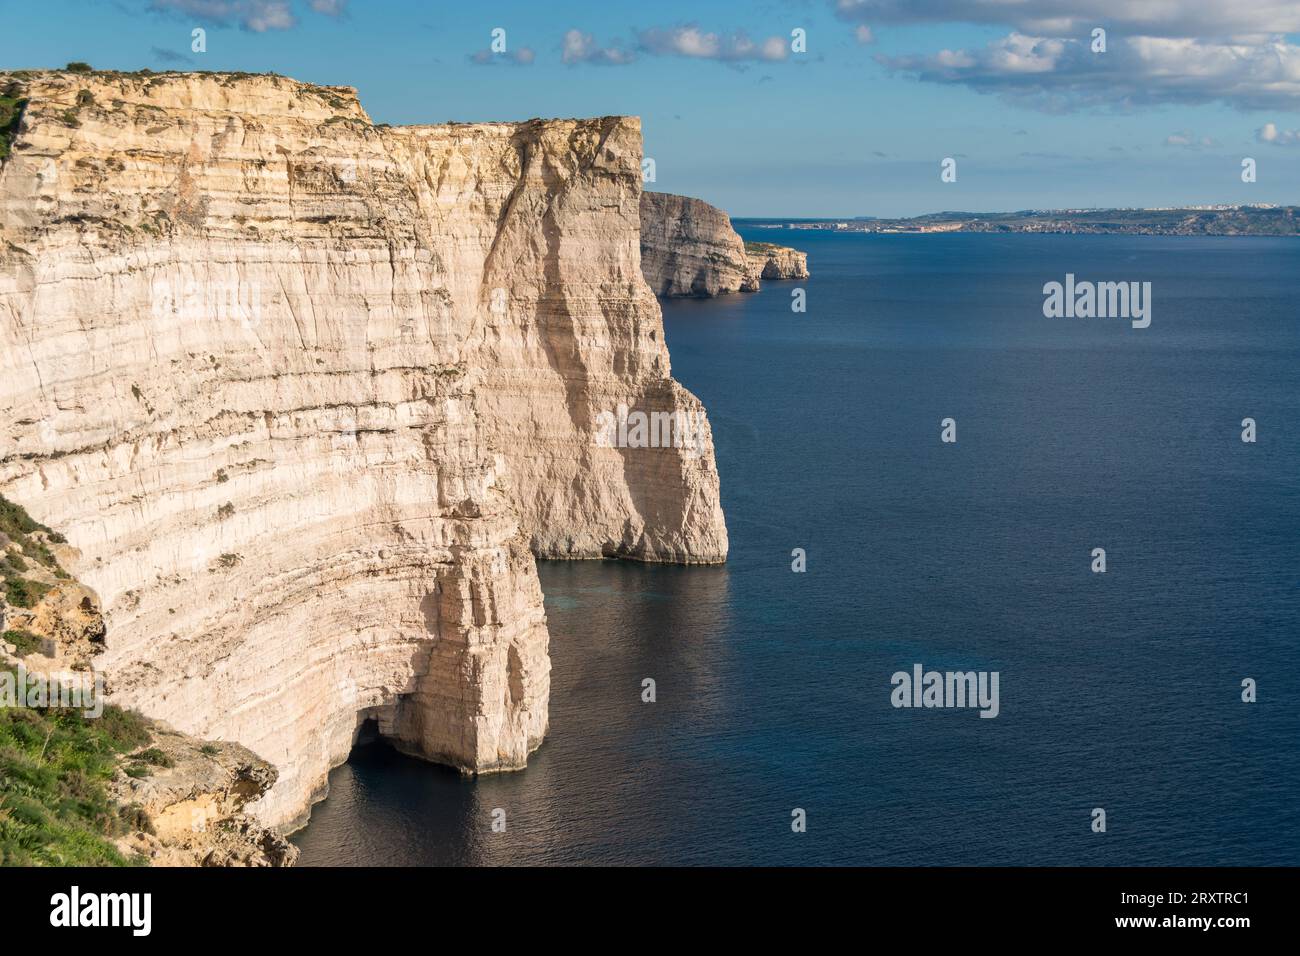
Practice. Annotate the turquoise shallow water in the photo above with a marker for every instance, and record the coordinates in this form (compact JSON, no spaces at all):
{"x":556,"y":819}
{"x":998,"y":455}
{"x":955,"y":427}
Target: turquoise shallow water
{"x":1119,"y":690}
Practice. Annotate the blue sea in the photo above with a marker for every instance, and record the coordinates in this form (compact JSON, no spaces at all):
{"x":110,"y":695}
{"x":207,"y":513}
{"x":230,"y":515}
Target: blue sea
{"x":1119,"y":690}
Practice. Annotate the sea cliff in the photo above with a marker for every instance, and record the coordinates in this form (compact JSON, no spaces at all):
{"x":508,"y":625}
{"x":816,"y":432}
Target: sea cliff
{"x":689,"y":248}
{"x":309,"y":396}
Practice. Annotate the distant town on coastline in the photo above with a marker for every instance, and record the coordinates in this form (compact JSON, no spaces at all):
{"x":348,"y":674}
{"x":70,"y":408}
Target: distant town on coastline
{"x":1256,"y":219}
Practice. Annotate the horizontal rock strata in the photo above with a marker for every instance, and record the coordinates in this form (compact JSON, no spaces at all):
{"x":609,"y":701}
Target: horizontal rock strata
{"x":308,"y":395}
{"x":689,"y":248}
{"x":179,"y":801}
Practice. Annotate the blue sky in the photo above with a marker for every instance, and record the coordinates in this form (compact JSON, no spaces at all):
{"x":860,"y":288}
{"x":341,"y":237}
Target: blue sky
{"x":856,"y":125}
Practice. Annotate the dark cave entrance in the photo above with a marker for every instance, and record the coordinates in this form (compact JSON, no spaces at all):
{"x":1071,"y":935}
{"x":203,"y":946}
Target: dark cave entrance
{"x":367,"y":733}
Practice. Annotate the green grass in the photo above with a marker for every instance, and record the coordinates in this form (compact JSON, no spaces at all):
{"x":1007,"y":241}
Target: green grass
{"x":11,"y":113}
{"x":21,"y":592}
{"x":17,"y":525}
{"x":55,"y":765}
{"x":25,"y":641}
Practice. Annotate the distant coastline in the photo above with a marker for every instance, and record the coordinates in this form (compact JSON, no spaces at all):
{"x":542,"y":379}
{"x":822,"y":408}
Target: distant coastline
{"x":1217,"y":220}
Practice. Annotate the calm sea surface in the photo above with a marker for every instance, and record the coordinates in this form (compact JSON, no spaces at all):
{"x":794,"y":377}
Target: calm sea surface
{"x":1119,"y":690}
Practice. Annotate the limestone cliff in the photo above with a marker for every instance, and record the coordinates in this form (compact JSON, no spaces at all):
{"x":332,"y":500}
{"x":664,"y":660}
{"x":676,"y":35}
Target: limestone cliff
{"x":689,"y":248}
{"x":308,"y":395}
{"x":770,"y":261}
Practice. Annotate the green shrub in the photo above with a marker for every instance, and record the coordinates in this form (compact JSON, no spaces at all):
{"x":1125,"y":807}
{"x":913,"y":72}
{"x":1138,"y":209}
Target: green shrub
{"x":19,"y":526}
{"x":20,"y":592}
{"x":11,"y":114}
{"x":15,"y":521}
{"x":76,"y":66}
{"x":25,"y":641}
{"x":154,"y":758}
{"x":134,"y":819}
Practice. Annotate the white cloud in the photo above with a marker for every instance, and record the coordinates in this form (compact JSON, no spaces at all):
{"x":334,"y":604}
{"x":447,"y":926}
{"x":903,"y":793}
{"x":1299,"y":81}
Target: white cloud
{"x":1158,"y":51}
{"x":1186,"y":139}
{"x":579,"y":47}
{"x":1057,"y":74}
{"x":1062,"y":18}
{"x":1269,"y":133}
{"x":685,"y":41}
{"x":259,"y":16}
{"x":863,"y":34}
{"x":690,"y":41}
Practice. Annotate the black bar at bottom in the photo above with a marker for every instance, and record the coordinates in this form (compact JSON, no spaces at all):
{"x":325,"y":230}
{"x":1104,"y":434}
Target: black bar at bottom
{"x":336,"y":905}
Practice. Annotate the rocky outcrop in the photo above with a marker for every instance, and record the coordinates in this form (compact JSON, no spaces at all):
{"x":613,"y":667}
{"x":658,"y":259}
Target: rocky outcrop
{"x":191,"y":804}
{"x":43,"y":611}
{"x":308,"y":395}
{"x":688,"y":248}
{"x":770,"y":261}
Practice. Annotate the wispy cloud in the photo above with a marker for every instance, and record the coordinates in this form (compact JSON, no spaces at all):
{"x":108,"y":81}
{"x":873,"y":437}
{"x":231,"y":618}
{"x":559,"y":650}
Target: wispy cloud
{"x":687,"y":41}
{"x":524,"y":56}
{"x":692,"y":42}
{"x":1186,"y":139}
{"x":1171,"y":51}
{"x":579,"y":47}
{"x":1058,"y":74}
{"x":1061,"y":18}
{"x":259,"y":16}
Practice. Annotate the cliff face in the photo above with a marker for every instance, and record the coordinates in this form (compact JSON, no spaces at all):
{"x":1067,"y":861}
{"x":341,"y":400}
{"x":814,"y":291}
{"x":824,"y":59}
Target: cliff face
{"x":178,"y":801}
{"x":309,"y":394}
{"x":770,"y":261}
{"x":688,"y":248}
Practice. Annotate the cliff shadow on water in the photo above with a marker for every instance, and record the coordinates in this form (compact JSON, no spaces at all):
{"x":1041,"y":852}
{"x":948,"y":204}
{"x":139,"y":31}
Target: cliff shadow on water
{"x":614,"y":741}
